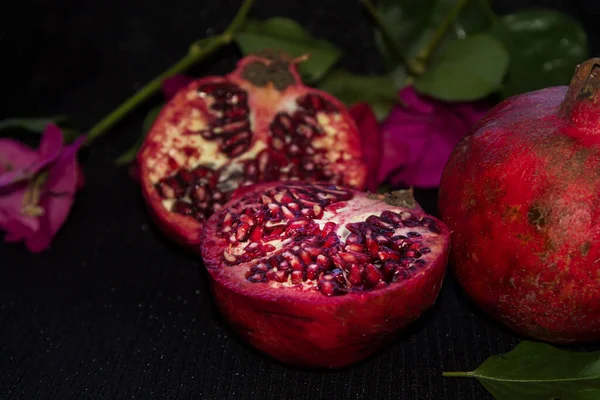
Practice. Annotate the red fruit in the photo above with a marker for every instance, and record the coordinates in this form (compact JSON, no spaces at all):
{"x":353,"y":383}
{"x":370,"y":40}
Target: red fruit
{"x":258,"y":123}
{"x":521,"y":194}
{"x":315,"y":294}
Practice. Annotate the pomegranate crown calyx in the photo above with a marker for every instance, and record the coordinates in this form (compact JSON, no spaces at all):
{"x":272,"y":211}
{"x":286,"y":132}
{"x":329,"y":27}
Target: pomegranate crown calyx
{"x":271,"y":66}
{"x":584,"y":86}
{"x":399,"y":198}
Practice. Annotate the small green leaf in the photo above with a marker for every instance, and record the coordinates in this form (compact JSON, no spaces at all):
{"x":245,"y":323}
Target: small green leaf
{"x":412,"y":23}
{"x":466,"y":69}
{"x":131,"y":153}
{"x":538,"y":371}
{"x":379,"y":91}
{"x":287,"y":35}
{"x":34,"y":125}
{"x":545,"y":47}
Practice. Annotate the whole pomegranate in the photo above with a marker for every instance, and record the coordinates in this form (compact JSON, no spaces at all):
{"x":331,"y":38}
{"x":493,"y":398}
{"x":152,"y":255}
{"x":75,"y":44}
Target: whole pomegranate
{"x":319,"y":275}
{"x":258,"y":123}
{"x":521,"y":194}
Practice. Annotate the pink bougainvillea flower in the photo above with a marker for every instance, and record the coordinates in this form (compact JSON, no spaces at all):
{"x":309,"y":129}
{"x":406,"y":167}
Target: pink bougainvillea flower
{"x":419,"y":136}
{"x":174,"y":84}
{"x":32,"y":209}
{"x":19,"y":162}
{"x":370,"y":140}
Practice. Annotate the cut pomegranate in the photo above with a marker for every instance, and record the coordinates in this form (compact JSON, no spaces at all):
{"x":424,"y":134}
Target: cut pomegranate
{"x":257,"y":124}
{"x":319,"y":275}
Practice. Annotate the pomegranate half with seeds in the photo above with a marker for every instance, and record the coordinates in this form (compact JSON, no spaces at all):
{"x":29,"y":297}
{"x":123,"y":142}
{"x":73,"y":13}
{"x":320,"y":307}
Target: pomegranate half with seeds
{"x":258,"y":123}
{"x":319,"y":275}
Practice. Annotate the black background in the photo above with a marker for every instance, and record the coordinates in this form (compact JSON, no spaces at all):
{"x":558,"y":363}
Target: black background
{"x":113,"y":309}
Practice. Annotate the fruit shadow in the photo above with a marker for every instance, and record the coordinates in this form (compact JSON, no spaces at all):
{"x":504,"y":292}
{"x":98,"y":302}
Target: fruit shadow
{"x":467,"y":303}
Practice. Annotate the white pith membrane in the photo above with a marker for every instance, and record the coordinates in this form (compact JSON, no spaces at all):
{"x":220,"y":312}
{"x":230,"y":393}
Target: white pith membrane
{"x":181,"y":151}
{"x":285,"y":259}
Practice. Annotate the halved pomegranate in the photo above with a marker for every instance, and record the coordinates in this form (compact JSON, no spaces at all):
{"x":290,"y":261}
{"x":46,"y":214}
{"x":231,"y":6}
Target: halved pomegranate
{"x":258,"y":123}
{"x":319,"y":275}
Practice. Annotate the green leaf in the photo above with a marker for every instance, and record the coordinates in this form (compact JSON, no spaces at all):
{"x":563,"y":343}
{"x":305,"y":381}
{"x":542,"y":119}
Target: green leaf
{"x":545,"y":47}
{"x":34,"y":125}
{"x":287,"y":35}
{"x":412,"y":24}
{"x":379,"y":91}
{"x":538,"y":371}
{"x":466,"y":70}
{"x":131,"y":153}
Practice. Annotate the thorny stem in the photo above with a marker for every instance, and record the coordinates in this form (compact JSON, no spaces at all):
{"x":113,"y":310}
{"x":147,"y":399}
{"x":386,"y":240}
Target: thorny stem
{"x":197,"y":51}
{"x":388,"y":37}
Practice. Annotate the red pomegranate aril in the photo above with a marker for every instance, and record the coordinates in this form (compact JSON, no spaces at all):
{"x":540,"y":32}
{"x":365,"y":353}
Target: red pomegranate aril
{"x":181,"y":207}
{"x":317,"y":276}
{"x":328,"y":287}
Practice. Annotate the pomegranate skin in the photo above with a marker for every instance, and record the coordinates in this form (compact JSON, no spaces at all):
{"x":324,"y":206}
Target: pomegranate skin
{"x":521,"y":195}
{"x":306,"y":328}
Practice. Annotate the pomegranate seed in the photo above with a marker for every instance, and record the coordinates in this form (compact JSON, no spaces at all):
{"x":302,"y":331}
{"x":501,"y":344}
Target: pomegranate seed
{"x":387,"y":254}
{"x":170,"y":188}
{"x":413,"y":234}
{"x":257,"y":234}
{"x":262,"y":268}
{"x":391,"y":217}
{"x":372,"y":275}
{"x":287,"y":213}
{"x":297,"y":277}
{"x":313,"y":271}
{"x":256,"y":278}
{"x":377,"y":222}
{"x":425,"y":250}
{"x":355,"y":275}
{"x":372,"y":246}
{"x":328,"y":287}
{"x":355,"y":247}
{"x":181,"y":207}
{"x":388,"y":269}
{"x":242,"y":232}
{"x":323,"y":261}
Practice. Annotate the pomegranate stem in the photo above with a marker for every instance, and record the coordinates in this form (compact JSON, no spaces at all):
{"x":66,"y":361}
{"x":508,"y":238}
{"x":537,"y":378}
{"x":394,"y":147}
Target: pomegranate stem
{"x":457,"y":374}
{"x":197,"y":52}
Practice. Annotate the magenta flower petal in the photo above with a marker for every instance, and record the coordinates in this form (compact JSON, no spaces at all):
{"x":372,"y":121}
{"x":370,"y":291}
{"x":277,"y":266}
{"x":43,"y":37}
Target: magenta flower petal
{"x":15,"y":230}
{"x":174,"y":84}
{"x":21,"y":162}
{"x":50,"y":146}
{"x":59,"y":191}
{"x":15,"y":157}
{"x":419,"y":136}
{"x":11,"y":207}
{"x":34,"y":208}
{"x":370,"y":139}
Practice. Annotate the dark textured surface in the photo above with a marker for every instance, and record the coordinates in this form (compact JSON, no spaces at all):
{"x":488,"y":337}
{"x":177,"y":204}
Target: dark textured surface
{"x":114,"y":310}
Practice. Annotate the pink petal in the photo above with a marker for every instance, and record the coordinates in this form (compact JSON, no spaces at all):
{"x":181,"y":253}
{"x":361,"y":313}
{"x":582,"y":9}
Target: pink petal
{"x":50,"y":146}
{"x":59,"y":190}
{"x":11,"y":207}
{"x":14,"y":159}
{"x":174,"y":84}
{"x":15,"y":230}
{"x":24,"y":161}
{"x":419,"y":137}
{"x":370,"y":140}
